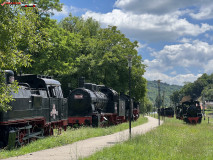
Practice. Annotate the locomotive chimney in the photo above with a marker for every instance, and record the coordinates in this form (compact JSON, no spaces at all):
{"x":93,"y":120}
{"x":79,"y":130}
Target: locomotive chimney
{"x":9,"y":75}
{"x":81,"y":81}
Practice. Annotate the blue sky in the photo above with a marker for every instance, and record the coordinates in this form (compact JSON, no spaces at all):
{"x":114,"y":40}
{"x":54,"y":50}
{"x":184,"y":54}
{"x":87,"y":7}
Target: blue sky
{"x":175,"y":36}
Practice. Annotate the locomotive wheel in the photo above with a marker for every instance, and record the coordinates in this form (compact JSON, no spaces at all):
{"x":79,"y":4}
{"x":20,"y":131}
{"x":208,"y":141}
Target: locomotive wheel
{"x":20,"y":138}
{"x":199,"y":120}
{"x":48,"y":131}
{"x":35,"y":129}
{"x":51,"y":131}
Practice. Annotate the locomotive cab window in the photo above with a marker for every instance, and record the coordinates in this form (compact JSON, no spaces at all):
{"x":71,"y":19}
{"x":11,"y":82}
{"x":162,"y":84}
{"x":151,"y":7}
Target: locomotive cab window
{"x":52,"y":92}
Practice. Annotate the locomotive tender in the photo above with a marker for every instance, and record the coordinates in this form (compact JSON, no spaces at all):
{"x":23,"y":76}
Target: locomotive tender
{"x":39,"y":107}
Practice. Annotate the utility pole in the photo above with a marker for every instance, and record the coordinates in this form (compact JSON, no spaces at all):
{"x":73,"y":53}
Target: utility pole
{"x":163,"y":105}
{"x":130,"y":101}
{"x":159,"y":101}
{"x":203,"y":105}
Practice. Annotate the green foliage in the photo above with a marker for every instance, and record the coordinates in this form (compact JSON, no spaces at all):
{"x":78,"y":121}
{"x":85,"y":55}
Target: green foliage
{"x":207,"y":93}
{"x":5,"y":90}
{"x":101,"y":57}
{"x":17,"y":29}
{"x":152,"y":88}
{"x":175,"y":97}
{"x":201,"y":87}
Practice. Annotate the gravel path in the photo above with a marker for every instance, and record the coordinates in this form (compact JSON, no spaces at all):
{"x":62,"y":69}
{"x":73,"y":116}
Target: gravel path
{"x":89,"y":146}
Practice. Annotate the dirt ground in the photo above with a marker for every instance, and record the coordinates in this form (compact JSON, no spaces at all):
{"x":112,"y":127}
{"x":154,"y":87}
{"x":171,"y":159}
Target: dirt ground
{"x":89,"y":146}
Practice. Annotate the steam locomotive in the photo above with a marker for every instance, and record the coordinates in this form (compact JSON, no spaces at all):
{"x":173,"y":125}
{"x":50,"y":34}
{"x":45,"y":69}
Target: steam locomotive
{"x":40,"y":107}
{"x":167,"y":112}
{"x":98,"y":105}
{"x":189,"y":111}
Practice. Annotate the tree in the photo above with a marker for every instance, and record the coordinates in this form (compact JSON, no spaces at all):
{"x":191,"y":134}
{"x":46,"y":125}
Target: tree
{"x":175,"y":97}
{"x":17,"y":28}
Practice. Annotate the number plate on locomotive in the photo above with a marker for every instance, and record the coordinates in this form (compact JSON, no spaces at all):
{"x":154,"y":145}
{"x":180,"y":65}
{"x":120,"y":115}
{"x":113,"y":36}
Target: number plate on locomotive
{"x":78,"y":96}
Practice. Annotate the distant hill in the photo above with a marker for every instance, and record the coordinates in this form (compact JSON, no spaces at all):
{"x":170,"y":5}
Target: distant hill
{"x":152,"y":87}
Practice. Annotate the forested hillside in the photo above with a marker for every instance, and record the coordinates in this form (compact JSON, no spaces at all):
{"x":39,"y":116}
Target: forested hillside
{"x":152,"y":87}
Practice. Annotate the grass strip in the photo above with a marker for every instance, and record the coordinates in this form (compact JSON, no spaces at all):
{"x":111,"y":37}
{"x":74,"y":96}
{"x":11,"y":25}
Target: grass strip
{"x":173,"y":140}
{"x":68,"y":137}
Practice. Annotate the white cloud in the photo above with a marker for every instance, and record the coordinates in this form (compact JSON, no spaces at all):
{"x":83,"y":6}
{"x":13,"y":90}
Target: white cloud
{"x":205,"y":12}
{"x":64,"y":12}
{"x":182,"y":58}
{"x":69,"y":9}
{"x":167,"y":6}
{"x":152,"y":6}
{"x":140,"y":46}
{"x":173,"y":73}
{"x":195,"y":54}
{"x":209,"y":67}
{"x":179,"y":79}
{"x":149,"y":27}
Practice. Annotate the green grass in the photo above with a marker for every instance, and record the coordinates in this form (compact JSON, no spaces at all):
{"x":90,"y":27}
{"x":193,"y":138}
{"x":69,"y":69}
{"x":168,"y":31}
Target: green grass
{"x":174,"y":140}
{"x":68,"y":137}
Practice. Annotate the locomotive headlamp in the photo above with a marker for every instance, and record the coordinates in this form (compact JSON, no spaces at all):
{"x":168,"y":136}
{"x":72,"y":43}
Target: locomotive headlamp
{"x":129,"y":57}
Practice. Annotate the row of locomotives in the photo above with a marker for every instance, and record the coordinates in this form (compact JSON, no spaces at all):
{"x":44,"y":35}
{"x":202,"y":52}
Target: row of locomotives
{"x":37,"y":109}
{"x":167,"y":112}
{"x":96,"y":105}
{"x":192,"y":112}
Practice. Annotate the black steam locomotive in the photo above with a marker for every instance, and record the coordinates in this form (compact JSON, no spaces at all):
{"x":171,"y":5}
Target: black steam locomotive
{"x":192,"y":112}
{"x":98,"y":105}
{"x":189,"y":111}
{"x":167,"y":112}
{"x":39,"y":107}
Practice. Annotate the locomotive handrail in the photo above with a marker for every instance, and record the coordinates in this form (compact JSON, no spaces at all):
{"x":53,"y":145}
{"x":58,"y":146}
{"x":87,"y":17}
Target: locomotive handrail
{"x":24,"y":84}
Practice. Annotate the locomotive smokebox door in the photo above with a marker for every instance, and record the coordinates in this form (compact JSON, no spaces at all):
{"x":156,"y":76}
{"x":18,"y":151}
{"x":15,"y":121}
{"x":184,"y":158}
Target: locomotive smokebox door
{"x":96,"y":120}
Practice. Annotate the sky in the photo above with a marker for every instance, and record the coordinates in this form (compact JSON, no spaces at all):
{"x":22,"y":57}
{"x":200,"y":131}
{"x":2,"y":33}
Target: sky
{"x":175,"y":36}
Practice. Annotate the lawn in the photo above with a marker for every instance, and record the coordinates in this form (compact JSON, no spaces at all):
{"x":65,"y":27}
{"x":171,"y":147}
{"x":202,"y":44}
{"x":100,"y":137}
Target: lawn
{"x":174,"y":140}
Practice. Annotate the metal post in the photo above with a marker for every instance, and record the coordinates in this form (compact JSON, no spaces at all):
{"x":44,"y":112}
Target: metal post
{"x":159,"y":99}
{"x":204,"y":110}
{"x":130,"y":102}
{"x":130,"y":106}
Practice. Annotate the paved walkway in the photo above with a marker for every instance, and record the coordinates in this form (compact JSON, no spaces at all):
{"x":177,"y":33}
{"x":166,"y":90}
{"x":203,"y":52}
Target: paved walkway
{"x":89,"y":146}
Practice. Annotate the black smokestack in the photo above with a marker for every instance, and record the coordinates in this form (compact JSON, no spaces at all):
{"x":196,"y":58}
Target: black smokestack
{"x":81,"y":81}
{"x":9,"y":75}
